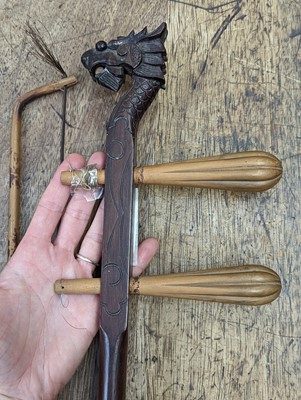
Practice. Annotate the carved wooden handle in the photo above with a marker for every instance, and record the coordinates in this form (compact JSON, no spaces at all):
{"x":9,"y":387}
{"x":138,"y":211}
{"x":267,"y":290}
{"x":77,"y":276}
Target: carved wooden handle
{"x":247,"y":285}
{"x":250,"y":171}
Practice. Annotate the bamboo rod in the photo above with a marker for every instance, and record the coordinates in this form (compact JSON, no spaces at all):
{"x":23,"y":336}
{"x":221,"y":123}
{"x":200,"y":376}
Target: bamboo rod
{"x":15,"y":151}
{"x":245,"y":171}
{"x":246,"y":285}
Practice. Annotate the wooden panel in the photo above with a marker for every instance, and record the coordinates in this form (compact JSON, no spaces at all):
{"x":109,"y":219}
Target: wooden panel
{"x":233,"y":84}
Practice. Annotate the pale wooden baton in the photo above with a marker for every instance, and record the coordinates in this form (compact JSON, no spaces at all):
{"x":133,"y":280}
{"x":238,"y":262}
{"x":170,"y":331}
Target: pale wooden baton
{"x":246,"y":285}
{"x":250,"y":171}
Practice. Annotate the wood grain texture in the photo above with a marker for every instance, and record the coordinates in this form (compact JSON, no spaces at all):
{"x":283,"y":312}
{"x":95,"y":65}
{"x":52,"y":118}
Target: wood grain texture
{"x":233,"y":84}
{"x":245,"y":285}
{"x":249,"y":171}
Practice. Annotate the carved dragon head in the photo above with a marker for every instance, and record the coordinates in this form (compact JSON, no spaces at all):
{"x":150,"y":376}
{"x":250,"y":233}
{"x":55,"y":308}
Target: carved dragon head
{"x":142,"y":54}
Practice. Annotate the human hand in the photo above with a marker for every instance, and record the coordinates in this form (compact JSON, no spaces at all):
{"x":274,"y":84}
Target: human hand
{"x":43,"y":340}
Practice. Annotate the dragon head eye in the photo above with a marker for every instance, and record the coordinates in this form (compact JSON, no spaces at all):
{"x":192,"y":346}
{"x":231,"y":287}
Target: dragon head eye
{"x":101,"y":46}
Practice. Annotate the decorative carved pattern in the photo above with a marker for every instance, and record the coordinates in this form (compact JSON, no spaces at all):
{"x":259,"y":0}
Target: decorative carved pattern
{"x":116,"y":150}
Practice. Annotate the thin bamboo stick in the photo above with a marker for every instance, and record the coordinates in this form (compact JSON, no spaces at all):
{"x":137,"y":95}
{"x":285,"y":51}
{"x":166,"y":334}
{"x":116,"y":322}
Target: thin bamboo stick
{"x":15,"y":151}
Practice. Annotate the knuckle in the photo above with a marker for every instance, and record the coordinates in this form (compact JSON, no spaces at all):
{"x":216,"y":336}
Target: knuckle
{"x":78,"y":214}
{"x":51,"y":206}
{"x":95,"y":237}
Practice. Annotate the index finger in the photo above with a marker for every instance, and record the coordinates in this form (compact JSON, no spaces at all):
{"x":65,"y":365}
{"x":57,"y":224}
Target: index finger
{"x":53,"y":201}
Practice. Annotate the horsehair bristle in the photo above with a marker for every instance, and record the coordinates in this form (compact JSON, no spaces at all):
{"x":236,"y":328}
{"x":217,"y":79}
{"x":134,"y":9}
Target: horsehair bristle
{"x":41,"y":49}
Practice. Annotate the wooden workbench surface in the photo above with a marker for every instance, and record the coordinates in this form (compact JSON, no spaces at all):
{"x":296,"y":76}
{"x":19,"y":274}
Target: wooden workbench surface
{"x":233,"y":84}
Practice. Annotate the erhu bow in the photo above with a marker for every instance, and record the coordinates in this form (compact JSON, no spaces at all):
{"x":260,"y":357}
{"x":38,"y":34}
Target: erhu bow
{"x":143,"y":57}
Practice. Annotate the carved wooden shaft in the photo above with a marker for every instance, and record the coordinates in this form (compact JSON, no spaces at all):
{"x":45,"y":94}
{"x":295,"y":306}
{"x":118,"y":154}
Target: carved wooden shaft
{"x":246,"y":285}
{"x":250,"y":171}
{"x":115,"y":263}
{"x":142,"y":56}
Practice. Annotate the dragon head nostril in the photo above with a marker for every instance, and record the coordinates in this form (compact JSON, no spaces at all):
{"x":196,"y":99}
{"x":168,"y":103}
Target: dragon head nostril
{"x":85,"y":59}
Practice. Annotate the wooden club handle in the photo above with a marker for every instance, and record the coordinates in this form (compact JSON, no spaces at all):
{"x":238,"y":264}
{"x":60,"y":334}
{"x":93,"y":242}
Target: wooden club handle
{"x":246,"y":285}
{"x":251,"y":171}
